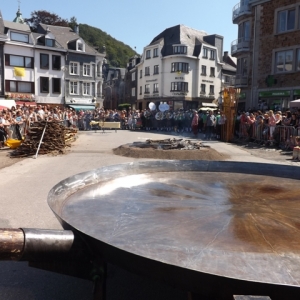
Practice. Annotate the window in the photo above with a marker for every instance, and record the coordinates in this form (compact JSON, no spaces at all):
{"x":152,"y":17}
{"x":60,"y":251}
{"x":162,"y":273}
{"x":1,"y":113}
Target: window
{"x":147,"y":71}
{"x":18,"y":61}
{"x":133,"y":92}
{"x":226,"y":79}
{"x":19,"y":37}
{"x":242,"y":66}
{"x":73,"y":87}
{"x":147,"y":88}
{"x":298,"y":60}
{"x":179,"y":49}
{"x":212,"y":72}
{"x":74,"y":68}
{"x":244,"y":31}
{"x":148,"y":54}
{"x":141,"y":90}
{"x":204,"y":53}
{"x":141,"y":73}
{"x":44,"y":61}
{"x":155,"y":52}
{"x":80,"y":46}
{"x":19,"y":86}
{"x":86,"y":70}
{"x":211,"y":90}
{"x":286,"y":20}
{"x":155,"y":88}
{"x":179,"y":86}
{"x":56,"y":62}
{"x":203,"y":89}
{"x":203,"y":70}
{"x":56,"y":85}
{"x":133,"y":76}
{"x":156,"y":69}
{"x":49,"y":42}
{"x":284,"y":61}
{"x":44,"y":84}
{"x":86,"y":88}
{"x":180,"y":67}
{"x":212,"y":54}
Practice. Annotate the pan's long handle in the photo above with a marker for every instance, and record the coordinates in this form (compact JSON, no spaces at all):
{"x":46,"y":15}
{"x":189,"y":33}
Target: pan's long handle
{"x":11,"y":244}
{"x":34,"y":244}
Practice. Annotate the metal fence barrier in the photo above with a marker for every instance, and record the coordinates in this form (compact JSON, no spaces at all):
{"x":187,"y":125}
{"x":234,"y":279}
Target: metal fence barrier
{"x":282,"y":136}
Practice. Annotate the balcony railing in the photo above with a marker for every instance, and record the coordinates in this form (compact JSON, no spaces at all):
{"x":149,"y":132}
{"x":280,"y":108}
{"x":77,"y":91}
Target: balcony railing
{"x":241,"y":80}
{"x":239,"y":45}
{"x":240,"y":9}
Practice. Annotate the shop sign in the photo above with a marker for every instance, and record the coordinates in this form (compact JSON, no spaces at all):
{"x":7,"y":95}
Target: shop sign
{"x":274,"y":94}
{"x":179,"y":94}
{"x":242,"y":96}
{"x":151,"y":96}
{"x":296,"y":92}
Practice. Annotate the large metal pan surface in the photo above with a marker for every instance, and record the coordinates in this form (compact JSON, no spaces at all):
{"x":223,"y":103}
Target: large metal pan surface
{"x":212,"y":227}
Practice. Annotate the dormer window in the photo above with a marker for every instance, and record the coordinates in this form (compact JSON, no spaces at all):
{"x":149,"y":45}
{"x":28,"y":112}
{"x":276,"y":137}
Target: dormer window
{"x":49,"y":42}
{"x":80,"y":46}
{"x":179,"y":49}
{"x":19,"y":37}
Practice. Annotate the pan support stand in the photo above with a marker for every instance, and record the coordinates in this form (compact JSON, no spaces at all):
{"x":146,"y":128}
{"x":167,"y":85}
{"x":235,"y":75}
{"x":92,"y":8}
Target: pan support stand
{"x":99,"y":278}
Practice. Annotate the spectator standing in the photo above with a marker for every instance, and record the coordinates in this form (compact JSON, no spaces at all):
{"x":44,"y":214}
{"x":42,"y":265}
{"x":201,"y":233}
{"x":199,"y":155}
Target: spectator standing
{"x":210,"y":123}
{"x":195,"y":122}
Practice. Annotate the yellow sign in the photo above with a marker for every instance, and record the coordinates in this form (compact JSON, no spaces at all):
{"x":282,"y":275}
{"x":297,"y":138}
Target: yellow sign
{"x":19,"y":72}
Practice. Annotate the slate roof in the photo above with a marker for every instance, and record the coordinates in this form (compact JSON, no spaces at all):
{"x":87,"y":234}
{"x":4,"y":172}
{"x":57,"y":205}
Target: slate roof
{"x":1,"y":24}
{"x":65,"y":35}
{"x":228,"y":67}
{"x":181,"y":34}
{"x":17,"y":26}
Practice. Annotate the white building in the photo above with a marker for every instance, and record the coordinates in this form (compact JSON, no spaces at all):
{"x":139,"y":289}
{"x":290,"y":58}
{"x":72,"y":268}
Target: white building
{"x":181,"y":66}
{"x":51,"y":66}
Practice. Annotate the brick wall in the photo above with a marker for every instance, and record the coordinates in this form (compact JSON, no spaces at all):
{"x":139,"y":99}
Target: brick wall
{"x":269,"y":41}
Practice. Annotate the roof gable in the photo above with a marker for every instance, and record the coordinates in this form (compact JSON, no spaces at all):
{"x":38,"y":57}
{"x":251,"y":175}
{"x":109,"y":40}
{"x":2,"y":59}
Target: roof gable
{"x":66,"y":37}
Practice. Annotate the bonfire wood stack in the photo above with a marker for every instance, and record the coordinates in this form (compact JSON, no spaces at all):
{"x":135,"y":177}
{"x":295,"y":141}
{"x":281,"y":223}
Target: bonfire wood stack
{"x":56,"y":139}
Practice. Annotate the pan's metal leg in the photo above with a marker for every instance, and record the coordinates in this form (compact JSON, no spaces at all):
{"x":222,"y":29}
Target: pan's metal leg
{"x":99,"y":278}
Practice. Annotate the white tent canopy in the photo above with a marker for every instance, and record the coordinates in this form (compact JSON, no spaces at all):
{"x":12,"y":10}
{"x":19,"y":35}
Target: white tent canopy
{"x":7,"y":103}
{"x":209,"y":104}
{"x":295,"y":103}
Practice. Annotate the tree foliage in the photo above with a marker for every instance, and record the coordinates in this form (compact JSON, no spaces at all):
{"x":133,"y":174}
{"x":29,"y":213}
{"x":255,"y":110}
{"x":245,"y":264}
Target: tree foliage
{"x":45,"y":17}
{"x":117,"y":53}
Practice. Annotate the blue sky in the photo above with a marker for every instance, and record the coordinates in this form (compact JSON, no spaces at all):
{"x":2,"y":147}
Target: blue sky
{"x":134,"y":22}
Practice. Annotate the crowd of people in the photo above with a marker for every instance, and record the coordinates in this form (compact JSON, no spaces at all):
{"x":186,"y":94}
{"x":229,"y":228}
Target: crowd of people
{"x":256,"y":125}
{"x":269,"y":127}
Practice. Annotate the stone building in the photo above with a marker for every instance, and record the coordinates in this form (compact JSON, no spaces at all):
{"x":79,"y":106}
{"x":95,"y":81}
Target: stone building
{"x":267,"y":52}
{"x":131,"y":81}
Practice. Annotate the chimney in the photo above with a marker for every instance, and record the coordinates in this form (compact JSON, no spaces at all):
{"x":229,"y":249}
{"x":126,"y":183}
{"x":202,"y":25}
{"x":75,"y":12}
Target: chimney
{"x":76,"y":29}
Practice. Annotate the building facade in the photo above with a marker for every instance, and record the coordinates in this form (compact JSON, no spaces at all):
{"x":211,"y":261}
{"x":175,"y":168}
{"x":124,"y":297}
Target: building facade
{"x":53,"y":65}
{"x":182,"y":67}
{"x":267,"y":52}
{"x":113,"y":86}
{"x":80,"y":67}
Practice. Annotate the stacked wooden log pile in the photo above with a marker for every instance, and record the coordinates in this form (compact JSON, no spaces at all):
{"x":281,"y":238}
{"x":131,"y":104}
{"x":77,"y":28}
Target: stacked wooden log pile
{"x":57,"y":138}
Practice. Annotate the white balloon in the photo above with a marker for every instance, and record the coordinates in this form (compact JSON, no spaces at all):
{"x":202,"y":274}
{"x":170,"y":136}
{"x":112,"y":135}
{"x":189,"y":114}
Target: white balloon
{"x":152,"y":106}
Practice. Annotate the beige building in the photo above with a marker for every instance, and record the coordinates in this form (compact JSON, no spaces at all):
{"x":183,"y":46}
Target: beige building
{"x":181,"y":67}
{"x":268,"y":53}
